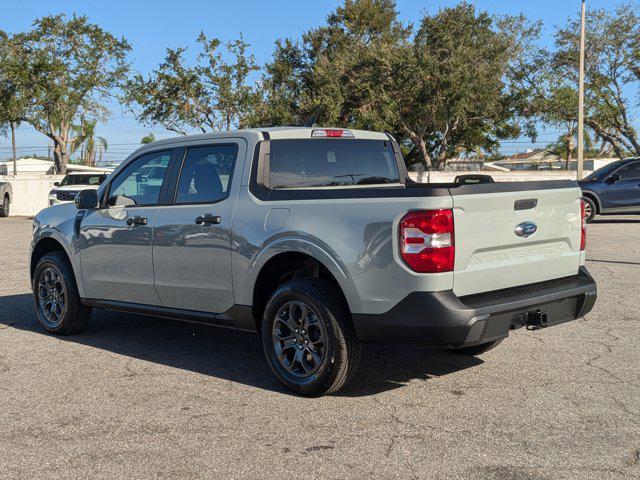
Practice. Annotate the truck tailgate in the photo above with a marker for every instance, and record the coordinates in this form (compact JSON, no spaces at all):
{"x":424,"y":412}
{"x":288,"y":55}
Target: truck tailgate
{"x":515,"y":234}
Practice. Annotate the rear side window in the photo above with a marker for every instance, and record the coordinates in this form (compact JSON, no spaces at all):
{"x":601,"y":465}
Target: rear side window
{"x":331,"y":163}
{"x":206,"y":174}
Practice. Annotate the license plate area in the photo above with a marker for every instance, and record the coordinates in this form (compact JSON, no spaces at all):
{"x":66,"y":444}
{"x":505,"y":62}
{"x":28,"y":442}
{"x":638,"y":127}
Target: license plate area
{"x":533,"y":317}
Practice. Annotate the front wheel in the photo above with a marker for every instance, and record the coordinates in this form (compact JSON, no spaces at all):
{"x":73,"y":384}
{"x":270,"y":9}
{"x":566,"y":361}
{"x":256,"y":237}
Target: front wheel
{"x":4,"y":208}
{"x":308,"y":338}
{"x":56,"y":298}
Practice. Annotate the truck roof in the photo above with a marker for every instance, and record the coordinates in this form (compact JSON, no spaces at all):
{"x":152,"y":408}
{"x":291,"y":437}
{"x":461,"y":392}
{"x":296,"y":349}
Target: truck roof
{"x":274,"y":133}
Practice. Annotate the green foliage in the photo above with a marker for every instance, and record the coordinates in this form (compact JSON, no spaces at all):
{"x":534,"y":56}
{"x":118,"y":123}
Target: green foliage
{"x":457,"y":83}
{"x":212,"y":95}
{"x":550,"y":78}
{"x":90,"y":146}
{"x":148,"y":139}
{"x":66,"y":68}
{"x":441,"y":90}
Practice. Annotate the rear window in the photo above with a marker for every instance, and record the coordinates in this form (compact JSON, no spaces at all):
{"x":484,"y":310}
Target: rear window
{"x":317,"y":163}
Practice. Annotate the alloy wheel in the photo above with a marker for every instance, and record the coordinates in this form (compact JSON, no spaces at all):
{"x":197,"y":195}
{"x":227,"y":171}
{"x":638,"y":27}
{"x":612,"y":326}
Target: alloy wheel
{"x":52,"y":296}
{"x":299,"y":339}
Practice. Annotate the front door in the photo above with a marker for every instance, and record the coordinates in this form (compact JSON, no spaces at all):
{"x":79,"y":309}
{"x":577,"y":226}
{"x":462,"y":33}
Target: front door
{"x":115,"y":240}
{"x":192,"y":236}
{"x":624,"y":194}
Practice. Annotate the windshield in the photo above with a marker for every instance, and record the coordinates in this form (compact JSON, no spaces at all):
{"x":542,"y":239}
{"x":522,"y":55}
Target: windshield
{"x":308,"y":163}
{"x":603,"y":172}
{"x":89,"y":179}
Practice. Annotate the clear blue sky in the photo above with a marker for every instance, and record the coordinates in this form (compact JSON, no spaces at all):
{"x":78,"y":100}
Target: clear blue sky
{"x":151,"y":26}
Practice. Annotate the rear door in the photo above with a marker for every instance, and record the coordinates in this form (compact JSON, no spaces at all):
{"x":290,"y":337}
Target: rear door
{"x":510,"y":234}
{"x":192,"y":235}
{"x":115,"y":240}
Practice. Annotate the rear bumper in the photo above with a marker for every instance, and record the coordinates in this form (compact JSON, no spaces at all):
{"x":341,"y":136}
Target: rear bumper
{"x":441,"y":319}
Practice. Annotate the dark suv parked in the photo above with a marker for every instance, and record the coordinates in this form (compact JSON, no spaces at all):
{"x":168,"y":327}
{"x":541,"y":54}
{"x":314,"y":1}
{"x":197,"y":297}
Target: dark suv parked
{"x":613,"y":189}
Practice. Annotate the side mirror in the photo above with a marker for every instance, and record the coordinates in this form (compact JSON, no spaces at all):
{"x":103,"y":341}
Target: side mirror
{"x":120,"y":201}
{"x":56,"y":184}
{"x":86,"y":199}
{"x":613,"y":178}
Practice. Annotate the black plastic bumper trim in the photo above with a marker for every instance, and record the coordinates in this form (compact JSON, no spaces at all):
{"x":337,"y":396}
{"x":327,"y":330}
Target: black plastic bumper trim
{"x":442,"y":319}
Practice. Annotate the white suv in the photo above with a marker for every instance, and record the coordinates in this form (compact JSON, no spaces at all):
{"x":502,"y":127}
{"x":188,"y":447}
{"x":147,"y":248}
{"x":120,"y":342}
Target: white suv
{"x":72,"y":183}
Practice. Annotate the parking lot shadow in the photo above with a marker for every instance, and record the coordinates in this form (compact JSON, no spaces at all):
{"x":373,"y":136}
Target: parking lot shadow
{"x":228,"y":354}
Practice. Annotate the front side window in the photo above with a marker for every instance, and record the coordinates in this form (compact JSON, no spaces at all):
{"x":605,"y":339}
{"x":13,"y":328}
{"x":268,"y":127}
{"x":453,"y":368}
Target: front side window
{"x":140,"y":182}
{"x":630,"y":172}
{"x":331,"y":163}
{"x":206,"y":174}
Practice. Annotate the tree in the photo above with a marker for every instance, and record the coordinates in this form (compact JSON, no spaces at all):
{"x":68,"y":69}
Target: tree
{"x":147,"y":139}
{"x":212,"y":95}
{"x":68,"y":67}
{"x":280,"y":91}
{"x":461,"y":101}
{"x":612,"y":55}
{"x":441,"y":90}
{"x":13,"y":102}
{"x":89,"y":144}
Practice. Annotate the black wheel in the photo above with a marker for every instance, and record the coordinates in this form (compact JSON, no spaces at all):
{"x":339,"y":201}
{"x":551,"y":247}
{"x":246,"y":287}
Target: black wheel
{"x":308,"y":338}
{"x":478,"y":349}
{"x":55,"y":293}
{"x":6,"y":205}
{"x":590,"y":209}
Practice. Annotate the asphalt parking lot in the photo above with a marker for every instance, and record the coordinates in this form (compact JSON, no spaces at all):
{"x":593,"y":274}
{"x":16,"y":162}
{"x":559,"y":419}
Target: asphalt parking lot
{"x":140,"y":397}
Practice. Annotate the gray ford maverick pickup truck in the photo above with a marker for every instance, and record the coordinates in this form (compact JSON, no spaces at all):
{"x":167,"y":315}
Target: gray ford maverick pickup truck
{"x":317,"y":240}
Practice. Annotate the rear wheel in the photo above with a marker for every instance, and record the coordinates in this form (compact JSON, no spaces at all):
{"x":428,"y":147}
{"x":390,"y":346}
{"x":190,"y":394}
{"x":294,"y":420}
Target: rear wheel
{"x":478,"y":349}
{"x":589,"y":209}
{"x":4,"y":208}
{"x":56,"y":298}
{"x":308,"y":338}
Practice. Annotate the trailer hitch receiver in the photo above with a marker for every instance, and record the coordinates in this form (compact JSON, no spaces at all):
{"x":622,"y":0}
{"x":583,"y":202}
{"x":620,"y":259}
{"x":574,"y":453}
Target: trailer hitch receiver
{"x":536,"y":319}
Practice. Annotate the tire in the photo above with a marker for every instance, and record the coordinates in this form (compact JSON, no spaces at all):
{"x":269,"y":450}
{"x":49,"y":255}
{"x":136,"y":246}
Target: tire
{"x":55,"y":294}
{"x":590,"y":209}
{"x":478,"y":349}
{"x":5,"y":207}
{"x":322,"y":355}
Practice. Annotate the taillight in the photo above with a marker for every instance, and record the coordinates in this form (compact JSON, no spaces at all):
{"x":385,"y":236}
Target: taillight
{"x":332,"y":132}
{"x":427,"y":241}
{"x":583,"y":226}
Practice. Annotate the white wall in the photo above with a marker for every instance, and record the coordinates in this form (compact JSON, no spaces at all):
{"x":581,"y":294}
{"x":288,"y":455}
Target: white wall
{"x":30,"y":192}
{"x":513,"y":176}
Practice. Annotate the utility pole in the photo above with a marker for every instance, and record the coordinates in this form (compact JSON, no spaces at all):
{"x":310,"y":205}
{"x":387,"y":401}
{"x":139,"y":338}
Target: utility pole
{"x":581,"y":96}
{"x":13,"y":146}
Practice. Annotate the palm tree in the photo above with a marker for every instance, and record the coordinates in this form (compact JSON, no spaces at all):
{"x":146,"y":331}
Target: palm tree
{"x":89,"y":143}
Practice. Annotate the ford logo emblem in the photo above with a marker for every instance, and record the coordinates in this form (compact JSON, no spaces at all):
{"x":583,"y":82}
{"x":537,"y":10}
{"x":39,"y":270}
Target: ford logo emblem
{"x":525,"y":229}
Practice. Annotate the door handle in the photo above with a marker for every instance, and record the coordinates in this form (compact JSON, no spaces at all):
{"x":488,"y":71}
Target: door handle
{"x":137,"y":220}
{"x":208,"y":219}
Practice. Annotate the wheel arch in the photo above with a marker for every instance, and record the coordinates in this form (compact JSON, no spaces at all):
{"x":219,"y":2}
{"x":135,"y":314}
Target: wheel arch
{"x":49,"y":242}
{"x":596,"y":199}
{"x":290,"y":258}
